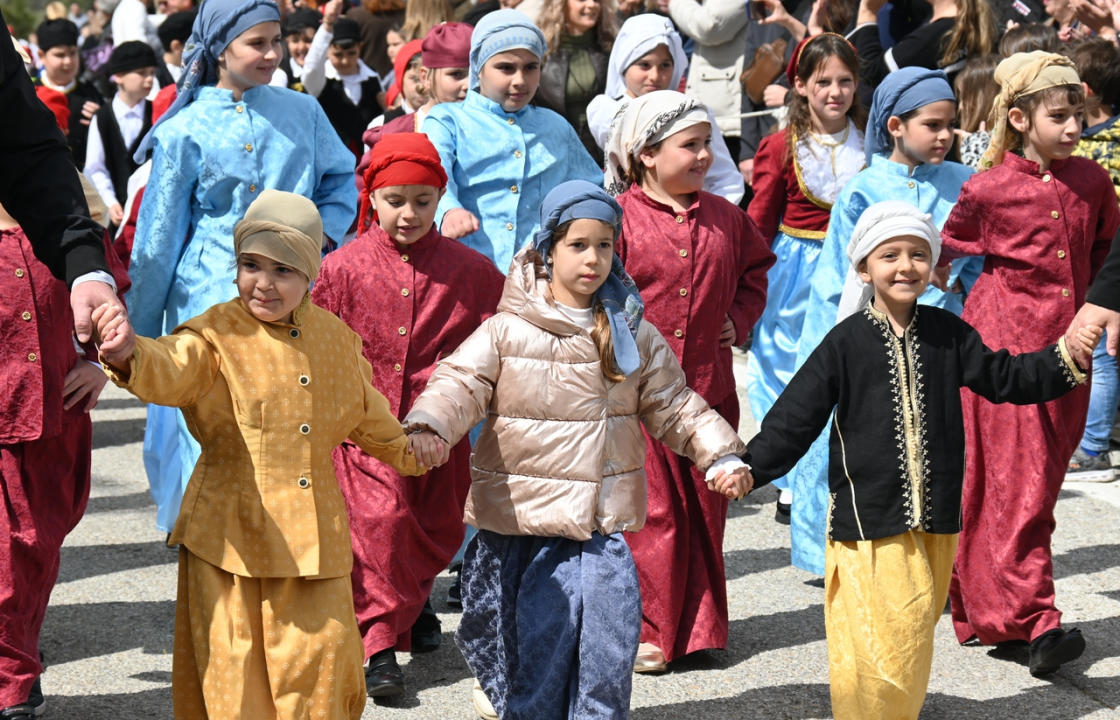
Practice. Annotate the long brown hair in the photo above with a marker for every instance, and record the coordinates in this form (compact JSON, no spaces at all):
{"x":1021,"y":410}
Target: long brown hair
{"x":973,"y":33}
{"x":813,"y":56}
{"x":976,"y":89}
{"x":552,"y":24}
{"x":420,"y":16}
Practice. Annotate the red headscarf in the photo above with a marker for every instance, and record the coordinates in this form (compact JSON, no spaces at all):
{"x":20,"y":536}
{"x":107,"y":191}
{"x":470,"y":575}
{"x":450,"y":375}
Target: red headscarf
{"x":57,"y":103}
{"x":409,"y":50}
{"x":399,"y":159}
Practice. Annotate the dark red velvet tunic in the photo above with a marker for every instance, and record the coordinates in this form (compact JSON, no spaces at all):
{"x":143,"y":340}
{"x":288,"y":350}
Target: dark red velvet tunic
{"x":778,"y":196}
{"x":692,"y":269}
{"x":1045,"y":235}
{"x":411,"y":306}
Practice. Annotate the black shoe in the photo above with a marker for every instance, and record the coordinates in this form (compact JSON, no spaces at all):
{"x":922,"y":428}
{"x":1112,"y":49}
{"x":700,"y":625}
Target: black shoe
{"x":455,"y":592}
{"x":36,"y":700}
{"x":1054,"y":648}
{"x":427,"y":633}
{"x":384,"y":677}
{"x":781,"y":512}
{"x":18,"y":712}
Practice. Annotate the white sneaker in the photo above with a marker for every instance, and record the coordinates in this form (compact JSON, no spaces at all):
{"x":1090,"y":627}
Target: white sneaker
{"x":482,"y":704}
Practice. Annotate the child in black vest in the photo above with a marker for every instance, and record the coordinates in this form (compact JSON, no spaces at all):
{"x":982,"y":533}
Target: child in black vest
{"x":118,"y":127}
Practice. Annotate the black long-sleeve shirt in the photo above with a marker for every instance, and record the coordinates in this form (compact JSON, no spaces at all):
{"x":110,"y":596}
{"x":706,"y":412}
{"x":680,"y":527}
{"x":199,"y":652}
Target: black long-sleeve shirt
{"x":896,"y":449}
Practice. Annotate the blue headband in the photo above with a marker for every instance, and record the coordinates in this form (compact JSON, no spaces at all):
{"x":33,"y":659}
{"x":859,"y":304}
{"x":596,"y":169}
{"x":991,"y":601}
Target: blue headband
{"x":498,"y":32}
{"x":577,"y":200}
{"x":903,"y":90}
{"x":217,"y":24}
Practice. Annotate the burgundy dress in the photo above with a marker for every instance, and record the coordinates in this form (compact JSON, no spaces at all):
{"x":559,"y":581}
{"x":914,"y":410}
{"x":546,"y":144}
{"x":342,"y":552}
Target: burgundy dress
{"x":1044,"y":235}
{"x":411,"y":306}
{"x":692,"y":269}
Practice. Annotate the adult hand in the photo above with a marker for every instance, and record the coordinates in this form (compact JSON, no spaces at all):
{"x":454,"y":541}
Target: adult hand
{"x":118,"y":340}
{"x":430,"y":449}
{"x":84,"y":299}
{"x":1091,"y":13}
{"x":727,"y":332}
{"x":746,"y":169}
{"x":84,"y":382}
{"x":89,"y":109}
{"x":1089,"y":315}
{"x":869,"y":11}
{"x":774,"y":95}
{"x":458,"y":223}
{"x":815,"y":26}
{"x":732,"y":485}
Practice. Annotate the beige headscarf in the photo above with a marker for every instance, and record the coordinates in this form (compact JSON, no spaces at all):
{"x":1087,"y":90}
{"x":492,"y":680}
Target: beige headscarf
{"x":643,"y":121}
{"x":1020,"y":75}
{"x":284,"y":227}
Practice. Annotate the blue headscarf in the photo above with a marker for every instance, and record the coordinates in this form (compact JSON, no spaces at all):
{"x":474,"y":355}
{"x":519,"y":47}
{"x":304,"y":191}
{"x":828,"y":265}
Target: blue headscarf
{"x":579,"y":199}
{"x":498,"y":32}
{"x":903,"y":90}
{"x":217,"y":24}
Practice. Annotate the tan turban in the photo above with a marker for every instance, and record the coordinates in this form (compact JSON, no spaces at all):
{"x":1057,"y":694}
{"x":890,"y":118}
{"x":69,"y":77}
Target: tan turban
{"x":1020,"y":75}
{"x":284,"y":227}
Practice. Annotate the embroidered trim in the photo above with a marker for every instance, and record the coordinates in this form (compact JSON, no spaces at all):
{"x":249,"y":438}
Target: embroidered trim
{"x":1070,"y":371}
{"x":851,"y":485}
{"x":803,"y":186}
{"x":919,"y":467}
{"x":803,"y":234}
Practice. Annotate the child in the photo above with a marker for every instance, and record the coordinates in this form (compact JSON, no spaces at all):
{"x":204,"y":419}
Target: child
{"x":562,"y":376}
{"x":429,"y":293}
{"x":701,"y":265}
{"x":798,"y":173}
{"x":270,"y":384}
{"x":648,"y":55}
{"x":909,"y":133}
{"x":1097,"y":60}
{"x":976,"y":91}
{"x":227,"y":137}
{"x":58,"y":50}
{"x":45,"y":444}
{"x":299,"y":33}
{"x":888,"y":375}
{"x":406,"y":93}
{"x":1045,"y":221}
{"x":118,"y":127}
{"x":173,"y":35}
{"x":502,"y":154}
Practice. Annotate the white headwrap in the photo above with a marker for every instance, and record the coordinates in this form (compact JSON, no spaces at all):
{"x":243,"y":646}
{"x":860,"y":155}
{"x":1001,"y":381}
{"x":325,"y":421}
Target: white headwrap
{"x":643,"y":121}
{"x":638,"y":36}
{"x":878,"y":224}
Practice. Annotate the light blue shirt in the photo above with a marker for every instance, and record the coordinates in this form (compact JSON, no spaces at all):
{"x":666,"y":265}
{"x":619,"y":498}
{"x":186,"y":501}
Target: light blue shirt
{"x":500,"y":166}
{"x":209,"y":162}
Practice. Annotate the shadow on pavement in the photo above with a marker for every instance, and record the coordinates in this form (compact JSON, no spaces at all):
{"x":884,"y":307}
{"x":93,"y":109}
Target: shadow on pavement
{"x":143,"y":705}
{"x":81,"y":562}
{"x":757,"y":634}
{"x":739,"y":563}
{"x":112,"y":433}
{"x":89,"y":630}
{"x":780,"y":702}
{"x":1086,"y":560}
{"x":112,"y":503}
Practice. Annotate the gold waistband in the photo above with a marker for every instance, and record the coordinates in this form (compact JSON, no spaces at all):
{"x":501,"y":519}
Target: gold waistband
{"x":803,"y":234}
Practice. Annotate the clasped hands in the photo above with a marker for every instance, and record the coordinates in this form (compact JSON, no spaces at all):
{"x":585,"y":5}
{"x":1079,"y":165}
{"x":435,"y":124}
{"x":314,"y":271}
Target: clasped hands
{"x":430,"y":449}
{"x":732,"y":485}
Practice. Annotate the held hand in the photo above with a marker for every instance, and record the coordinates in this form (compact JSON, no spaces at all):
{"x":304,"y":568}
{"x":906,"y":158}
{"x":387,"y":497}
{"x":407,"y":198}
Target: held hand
{"x":430,"y":449}
{"x":1094,"y":315}
{"x":118,"y":340}
{"x":83,"y":382}
{"x":732,"y":485}
{"x":84,"y":299}
{"x":89,"y":109}
{"x":774,"y":95}
{"x":116,"y":214}
{"x":1089,"y":336}
{"x":939,"y":278}
{"x":746,"y":169}
{"x":458,"y":223}
{"x":727,"y":333}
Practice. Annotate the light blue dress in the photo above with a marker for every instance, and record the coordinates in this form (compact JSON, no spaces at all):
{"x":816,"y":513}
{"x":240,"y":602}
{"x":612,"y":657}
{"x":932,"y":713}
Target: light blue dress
{"x":209,"y":162}
{"x":932,"y":189}
{"x":500,"y":166}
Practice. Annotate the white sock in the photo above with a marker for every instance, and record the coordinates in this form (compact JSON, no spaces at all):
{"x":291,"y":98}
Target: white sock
{"x":785,"y":497}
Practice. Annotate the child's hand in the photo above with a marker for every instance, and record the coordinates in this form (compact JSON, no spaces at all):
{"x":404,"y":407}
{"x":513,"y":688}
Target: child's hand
{"x":430,"y":449}
{"x":727,"y":332}
{"x":331,"y":11}
{"x":116,"y":214}
{"x":732,"y":485}
{"x":118,"y":340}
{"x":84,"y":382}
{"x":939,"y":277}
{"x":1087,"y":339}
{"x":458,"y":223}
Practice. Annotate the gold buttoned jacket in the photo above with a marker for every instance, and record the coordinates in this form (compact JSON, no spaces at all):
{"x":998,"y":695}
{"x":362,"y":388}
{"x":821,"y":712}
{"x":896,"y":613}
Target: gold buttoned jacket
{"x":268,"y":402}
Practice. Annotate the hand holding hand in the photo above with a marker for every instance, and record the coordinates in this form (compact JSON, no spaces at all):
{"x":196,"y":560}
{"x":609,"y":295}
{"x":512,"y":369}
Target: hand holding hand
{"x":732,"y":485}
{"x":84,"y":382}
{"x":118,"y":340}
{"x":727,"y":332}
{"x":84,"y":299}
{"x":458,"y":223}
{"x":430,"y":449}
{"x":1093,"y":315}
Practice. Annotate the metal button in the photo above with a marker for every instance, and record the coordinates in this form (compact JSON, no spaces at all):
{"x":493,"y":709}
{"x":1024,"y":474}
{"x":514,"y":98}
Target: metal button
{"x":304,"y":483}
{"x":678,"y":333}
{"x":26,"y":315}
{"x":910,"y":184}
{"x":1061,"y":253}
{"x":1045,"y":178}
{"x":32,"y":357}
{"x":401,"y":331}
{"x":404,"y":258}
{"x":684,"y":253}
{"x":304,"y":429}
{"x":248,"y":147}
{"x":293,"y":333}
{"x":509,"y":226}
{"x":517,"y":153}
{"x":240,"y":108}
{"x":513,"y":188}
{"x":397,"y":367}
{"x":679,"y":219}
{"x":19,"y":272}
{"x":684,"y":291}
{"x":304,"y":380}
{"x":1054,"y":214}
{"x":252,"y":188}
{"x":1065,"y":292}
{"x":404,"y":291}
{"x":510,"y":120}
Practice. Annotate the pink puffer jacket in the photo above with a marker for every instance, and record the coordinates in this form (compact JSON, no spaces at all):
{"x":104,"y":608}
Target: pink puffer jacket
{"x":561,"y":452}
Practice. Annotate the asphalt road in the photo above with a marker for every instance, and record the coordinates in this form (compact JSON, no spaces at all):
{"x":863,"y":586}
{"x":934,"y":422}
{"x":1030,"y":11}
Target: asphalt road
{"x":108,"y":632}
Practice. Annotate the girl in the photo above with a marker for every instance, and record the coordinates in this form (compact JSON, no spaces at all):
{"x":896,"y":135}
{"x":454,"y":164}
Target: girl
{"x":270,"y":383}
{"x":977,"y":91}
{"x":798,"y":172}
{"x":227,"y":137}
{"x":889,"y":374}
{"x":909,"y":132}
{"x":502,"y":154}
{"x":648,"y":56}
{"x":1045,"y":221}
{"x":413,"y":296}
{"x":702,"y":264}
{"x":563,"y":375}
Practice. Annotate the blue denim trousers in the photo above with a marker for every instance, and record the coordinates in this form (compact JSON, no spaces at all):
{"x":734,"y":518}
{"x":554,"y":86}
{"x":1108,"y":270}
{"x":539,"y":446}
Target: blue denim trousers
{"x":1103,"y":396}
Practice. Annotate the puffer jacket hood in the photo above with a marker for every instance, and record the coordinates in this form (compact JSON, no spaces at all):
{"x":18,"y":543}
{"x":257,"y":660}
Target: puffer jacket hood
{"x":527,"y":294}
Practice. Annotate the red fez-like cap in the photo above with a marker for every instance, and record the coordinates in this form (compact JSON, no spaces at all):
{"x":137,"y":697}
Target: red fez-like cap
{"x":447,"y":45}
{"x":400,"y":159}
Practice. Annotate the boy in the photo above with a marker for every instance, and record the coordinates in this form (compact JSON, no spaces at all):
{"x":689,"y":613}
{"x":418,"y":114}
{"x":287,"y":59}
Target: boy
{"x":413,"y":296}
{"x":896,"y":455}
{"x":118,"y":127}
{"x":58,"y":49}
{"x":299,"y":31}
{"x":173,"y":35}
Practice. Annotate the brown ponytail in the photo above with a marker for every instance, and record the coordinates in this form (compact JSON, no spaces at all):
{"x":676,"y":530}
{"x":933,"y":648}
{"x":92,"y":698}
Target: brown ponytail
{"x":602,"y":337}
